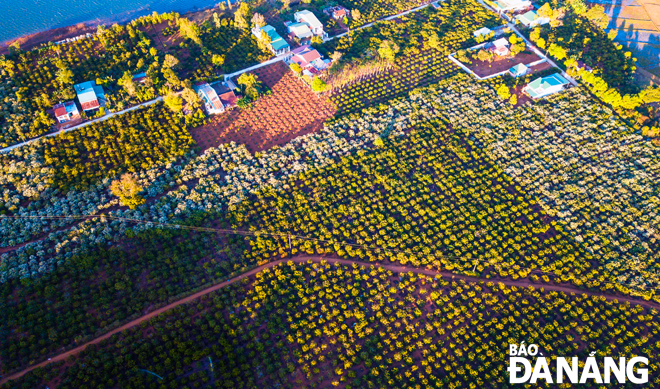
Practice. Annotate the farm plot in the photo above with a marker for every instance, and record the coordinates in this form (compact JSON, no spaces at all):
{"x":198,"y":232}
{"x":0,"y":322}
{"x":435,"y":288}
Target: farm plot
{"x":328,"y":325}
{"x":584,"y":166}
{"x":424,"y":39}
{"x":291,"y":110}
{"x":406,"y":74}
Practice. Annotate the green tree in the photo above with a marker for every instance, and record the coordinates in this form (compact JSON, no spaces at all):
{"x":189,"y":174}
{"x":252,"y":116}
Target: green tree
{"x":218,"y":60}
{"x":513,"y":100}
{"x":484,"y":55}
{"x":170,"y":61}
{"x":126,"y":81}
{"x":318,"y":85}
{"x":190,"y":30}
{"x":241,"y":15}
{"x":597,"y":16}
{"x":503,"y":92}
{"x":250,"y":83}
{"x":295,"y":68}
{"x":127,"y":190}
{"x":258,"y":20}
{"x":173,"y":102}
{"x":388,"y":50}
{"x":191,"y":97}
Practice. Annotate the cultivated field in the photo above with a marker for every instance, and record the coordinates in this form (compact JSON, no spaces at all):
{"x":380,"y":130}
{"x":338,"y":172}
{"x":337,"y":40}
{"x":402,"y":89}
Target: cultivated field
{"x":290,"y":111}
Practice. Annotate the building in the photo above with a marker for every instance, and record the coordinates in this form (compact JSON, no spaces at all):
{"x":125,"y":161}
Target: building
{"x":309,"y":59}
{"x":500,"y":47}
{"x":277,"y":44}
{"x":225,"y":92}
{"x":210,"y":99}
{"x":299,"y":30}
{"x":512,"y":5}
{"x":531,"y":19}
{"x":90,"y":95}
{"x":545,"y":86}
{"x":337,"y":12}
{"x":140,"y":78}
{"x":311,"y":21}
{"x":66,"y":112}
{"x":483,"y":31}
{"x":518,"y":70}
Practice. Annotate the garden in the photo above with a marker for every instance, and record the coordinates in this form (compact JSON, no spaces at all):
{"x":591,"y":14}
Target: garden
{"x":323,"y":325}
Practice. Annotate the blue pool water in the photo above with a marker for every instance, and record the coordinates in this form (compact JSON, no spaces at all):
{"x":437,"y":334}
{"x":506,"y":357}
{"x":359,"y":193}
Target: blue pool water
{"x":22,"y":17}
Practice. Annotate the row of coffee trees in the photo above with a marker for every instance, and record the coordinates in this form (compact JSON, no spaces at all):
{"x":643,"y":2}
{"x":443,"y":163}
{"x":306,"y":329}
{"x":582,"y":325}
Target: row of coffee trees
{"x":320,"y":325}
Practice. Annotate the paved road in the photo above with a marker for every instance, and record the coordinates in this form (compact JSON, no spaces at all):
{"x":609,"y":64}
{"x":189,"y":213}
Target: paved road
{"x":106,"y":117}
{"x":301,"y":259}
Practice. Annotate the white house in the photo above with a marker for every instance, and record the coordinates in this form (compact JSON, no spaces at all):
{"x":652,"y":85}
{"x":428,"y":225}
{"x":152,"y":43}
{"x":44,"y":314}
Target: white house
{"x":512,"y":5}
{"x":65,"y":112}
{"x":299,"y":30}
{"x":545,"y":86}
{"x":210,"y":99}
{"x":500,"y":47}
{"x":311,"y":21}
{"x":482,"y":31}
{"x":531,"y":19}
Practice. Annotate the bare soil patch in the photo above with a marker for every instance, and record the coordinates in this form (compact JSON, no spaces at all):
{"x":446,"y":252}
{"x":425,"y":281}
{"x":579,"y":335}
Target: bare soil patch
{"x":27,"y":42}
{"x":500,"y":64}
{"x":290,"y":111}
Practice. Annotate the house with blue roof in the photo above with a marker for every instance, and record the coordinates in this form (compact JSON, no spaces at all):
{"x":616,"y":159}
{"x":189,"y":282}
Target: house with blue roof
{"x":518,"y":70}
{"x":277,"y":44}
{"x":90,"y":95}
{"x":545,"y":86}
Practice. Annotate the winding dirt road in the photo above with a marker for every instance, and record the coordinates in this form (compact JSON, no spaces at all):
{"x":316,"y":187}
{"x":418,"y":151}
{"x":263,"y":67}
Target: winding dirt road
{"x":317,"y":259}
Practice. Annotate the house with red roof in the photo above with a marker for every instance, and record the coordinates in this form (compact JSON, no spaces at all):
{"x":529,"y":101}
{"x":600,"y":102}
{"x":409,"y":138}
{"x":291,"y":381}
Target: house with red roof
{"x":66,"y":112}
{"x":210,"y":98}
{"x":337,"y":12}
{"x":309,"y":59}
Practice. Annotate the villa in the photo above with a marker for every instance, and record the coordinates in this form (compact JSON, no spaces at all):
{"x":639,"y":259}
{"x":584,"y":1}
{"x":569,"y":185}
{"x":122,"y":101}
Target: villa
{"x":311,"y":21}
{"x":545,"y":86}
{"x":66,"y":112}
{"x":90,"y":95}
{"x":531,"y":19}
{"x":277,"y":44}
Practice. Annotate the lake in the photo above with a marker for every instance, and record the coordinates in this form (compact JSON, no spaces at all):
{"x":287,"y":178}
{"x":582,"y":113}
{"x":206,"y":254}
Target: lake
{"x":23,"y":17}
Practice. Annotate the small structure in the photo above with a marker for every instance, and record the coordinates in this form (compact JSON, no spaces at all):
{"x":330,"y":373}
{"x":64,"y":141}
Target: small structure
{"x":531,"y":19}
{"x":500,"y":47}
{"x":299,"y":30}
{"x":90,"y":95}
{"x":210,"y":98}
{"x":482,"y":31}
{"x":140,"y":78}
{"x":277,"y":44}
{"x":311,"y":21}
{"x":225,"y":92}
{"x":545,"y":86}
{"x":309,"y":59}
{"x":337,"y":12}
{"x":518,"y":70}
{"x":512,"y":5}
{"x":66,"y":112}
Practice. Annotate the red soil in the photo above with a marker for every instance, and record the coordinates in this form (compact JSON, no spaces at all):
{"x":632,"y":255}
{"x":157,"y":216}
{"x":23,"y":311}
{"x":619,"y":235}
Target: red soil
{"x":290,"y":111}
{"x":500,"y":64}
{"x":29,"y":41}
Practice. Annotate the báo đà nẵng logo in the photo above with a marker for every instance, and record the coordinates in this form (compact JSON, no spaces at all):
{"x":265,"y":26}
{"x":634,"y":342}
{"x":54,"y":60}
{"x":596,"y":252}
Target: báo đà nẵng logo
{"x":528,"y":365}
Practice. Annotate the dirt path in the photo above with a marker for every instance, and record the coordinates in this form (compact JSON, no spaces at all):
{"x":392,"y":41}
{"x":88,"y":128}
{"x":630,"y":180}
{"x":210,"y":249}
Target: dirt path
{"x":302,"y":259}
